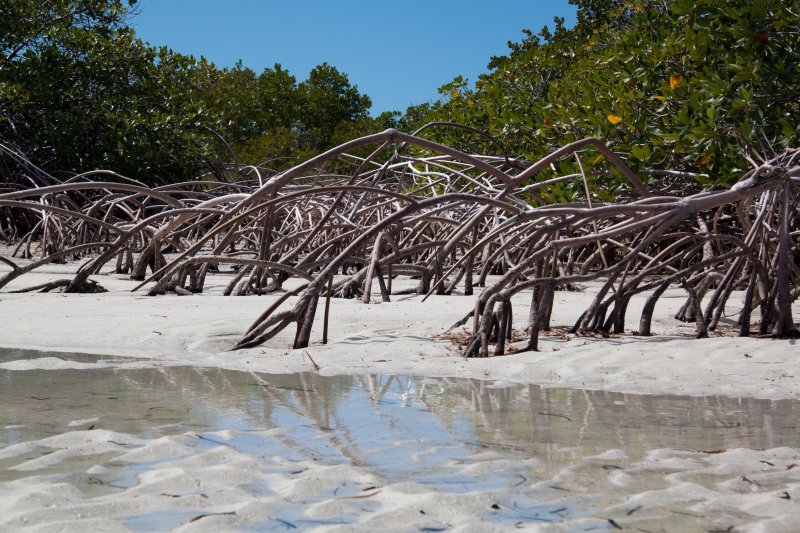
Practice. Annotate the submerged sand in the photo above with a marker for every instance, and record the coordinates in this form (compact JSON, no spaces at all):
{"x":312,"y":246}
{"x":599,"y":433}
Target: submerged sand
{"x":660,"y":489}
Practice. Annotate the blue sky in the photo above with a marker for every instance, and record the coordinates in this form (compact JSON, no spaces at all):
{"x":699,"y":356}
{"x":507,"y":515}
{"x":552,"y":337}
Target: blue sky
{"x":399,"y":53}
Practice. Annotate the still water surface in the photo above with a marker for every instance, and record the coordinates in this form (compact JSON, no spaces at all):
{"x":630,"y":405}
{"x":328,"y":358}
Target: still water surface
{"x":402,"y":428}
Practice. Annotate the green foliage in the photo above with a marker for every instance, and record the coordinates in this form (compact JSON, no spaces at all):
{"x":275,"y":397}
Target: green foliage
{"x":328,"y":99}
{"x":290,"y":121}
{"x":79,"y":91}
{"x":107,"y":100}
{"x":669,"y":84}
{"x":27,"y":25}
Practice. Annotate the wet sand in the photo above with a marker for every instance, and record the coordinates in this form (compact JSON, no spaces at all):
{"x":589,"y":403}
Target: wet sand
{"x":107,"y":446}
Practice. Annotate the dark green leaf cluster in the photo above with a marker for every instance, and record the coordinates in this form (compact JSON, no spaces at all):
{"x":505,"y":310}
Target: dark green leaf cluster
{"x":79,"y":90}
{"x":688,"y":85}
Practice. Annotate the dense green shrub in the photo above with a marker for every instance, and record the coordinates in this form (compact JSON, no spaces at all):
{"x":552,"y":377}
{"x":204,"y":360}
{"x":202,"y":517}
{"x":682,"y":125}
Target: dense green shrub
{"x":681,"y":85}
{"x":79,"y":90}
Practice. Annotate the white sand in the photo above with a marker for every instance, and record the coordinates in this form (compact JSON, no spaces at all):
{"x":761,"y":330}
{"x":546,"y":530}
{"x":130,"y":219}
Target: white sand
{"x":395,"y":338}
{"x":665,"y":490}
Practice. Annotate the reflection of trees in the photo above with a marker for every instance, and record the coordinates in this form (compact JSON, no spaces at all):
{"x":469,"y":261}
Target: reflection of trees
{"x":315,"y":399}
{"x":148,"y":402}
{"x":376,"y":389}
{"x":171,"y":400}
{"x":545,"y":421}
{"x":154,"y":402}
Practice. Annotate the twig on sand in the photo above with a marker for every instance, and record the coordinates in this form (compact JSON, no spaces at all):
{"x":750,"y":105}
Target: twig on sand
{"x":313,"y":363}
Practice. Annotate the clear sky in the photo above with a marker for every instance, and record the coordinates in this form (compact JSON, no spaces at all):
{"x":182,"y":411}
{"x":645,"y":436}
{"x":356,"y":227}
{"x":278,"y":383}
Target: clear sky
{"x":399,"y":53}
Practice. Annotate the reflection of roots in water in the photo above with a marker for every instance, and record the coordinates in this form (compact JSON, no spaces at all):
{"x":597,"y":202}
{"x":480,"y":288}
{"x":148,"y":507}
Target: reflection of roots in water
{"x":522,"y":417}
{"x":568,"y":432}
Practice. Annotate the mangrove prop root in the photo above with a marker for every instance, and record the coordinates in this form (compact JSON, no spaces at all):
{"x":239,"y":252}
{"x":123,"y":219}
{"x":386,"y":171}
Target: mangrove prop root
{"x":417,"y":209}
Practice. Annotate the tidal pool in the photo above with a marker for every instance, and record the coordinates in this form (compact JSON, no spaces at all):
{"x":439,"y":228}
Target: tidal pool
{"x":548,"y":455}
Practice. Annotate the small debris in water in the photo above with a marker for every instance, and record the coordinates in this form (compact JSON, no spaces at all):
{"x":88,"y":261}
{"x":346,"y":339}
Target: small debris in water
{"x":199,"y":517}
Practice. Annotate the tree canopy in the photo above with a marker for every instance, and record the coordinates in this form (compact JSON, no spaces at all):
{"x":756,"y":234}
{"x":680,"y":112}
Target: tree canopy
{"x":688,"y":85}
{"x":79,"y":90}
{"x":695,"y":86}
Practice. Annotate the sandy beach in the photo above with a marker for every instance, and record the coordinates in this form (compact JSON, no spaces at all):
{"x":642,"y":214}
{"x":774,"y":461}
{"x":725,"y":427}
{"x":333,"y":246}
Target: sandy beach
{"x":399,"y":337}
{"x":658,"y":489}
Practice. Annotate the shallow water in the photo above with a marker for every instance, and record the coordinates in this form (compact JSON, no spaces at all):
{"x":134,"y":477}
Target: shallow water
{"x":399,"y":428}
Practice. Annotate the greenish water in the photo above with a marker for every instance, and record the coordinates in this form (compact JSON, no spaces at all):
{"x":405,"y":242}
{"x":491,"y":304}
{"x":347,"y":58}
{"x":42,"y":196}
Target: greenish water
{"x":402,"y":428}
